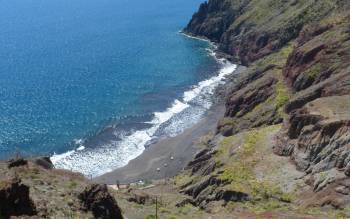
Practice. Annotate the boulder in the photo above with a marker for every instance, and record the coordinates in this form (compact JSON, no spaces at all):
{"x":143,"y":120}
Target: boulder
{"x":228,"y":195}
{"x":44,"y":162}
{"x":141,"y":198}
{"x":96,"y":198}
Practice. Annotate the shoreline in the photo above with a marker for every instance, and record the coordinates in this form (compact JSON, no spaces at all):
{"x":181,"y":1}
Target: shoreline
{"x":168,"y":156}
{"x":219,"y":54}
{"x":181,"y":148}
{"x":117,"y":151}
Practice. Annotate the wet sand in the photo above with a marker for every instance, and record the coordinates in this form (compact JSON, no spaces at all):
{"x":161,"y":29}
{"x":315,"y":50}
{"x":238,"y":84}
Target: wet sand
{"x":158,"y":155}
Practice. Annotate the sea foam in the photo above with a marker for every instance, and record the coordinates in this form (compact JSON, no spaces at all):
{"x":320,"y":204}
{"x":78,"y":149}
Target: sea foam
{"x":180,"y":115}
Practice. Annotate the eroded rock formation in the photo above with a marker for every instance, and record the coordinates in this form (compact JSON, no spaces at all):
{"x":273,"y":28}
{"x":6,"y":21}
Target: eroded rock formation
{"x":298,"y":58}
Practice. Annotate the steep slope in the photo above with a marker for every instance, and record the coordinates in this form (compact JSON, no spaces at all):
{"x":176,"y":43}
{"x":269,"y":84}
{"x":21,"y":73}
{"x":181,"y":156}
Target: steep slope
{"x":298,"y":57}
{"x":250,"y":29}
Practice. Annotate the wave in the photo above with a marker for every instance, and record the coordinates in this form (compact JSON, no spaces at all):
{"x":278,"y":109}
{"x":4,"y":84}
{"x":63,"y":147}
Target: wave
{"x":180,"y":115}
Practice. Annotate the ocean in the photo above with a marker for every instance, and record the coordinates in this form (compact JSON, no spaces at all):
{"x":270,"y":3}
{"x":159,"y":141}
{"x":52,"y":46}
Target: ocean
{"x":92,"y":83}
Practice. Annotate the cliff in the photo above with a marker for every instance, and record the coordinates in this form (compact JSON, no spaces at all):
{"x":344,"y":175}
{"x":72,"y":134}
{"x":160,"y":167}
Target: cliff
{"x":248,"y":30}
{"x":298,"y":55}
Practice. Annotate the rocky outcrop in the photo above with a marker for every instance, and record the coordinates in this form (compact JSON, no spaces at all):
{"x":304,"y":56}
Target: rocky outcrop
{"x":298,"y":58}
{"x":249,"y":30}
{"x":239,"y":175}
{"x":234,"y":196}
{"x":334,"y":86}
{"x":321,"y":52}
{"x":44,"y":162}
{"x":330,"y":188}
{"x":17,"y":162}
{"x":316,"y":132}
{"x":199,"y":187}
{"x":34,"y":189}
{"x":319,"y":65}
{"x":246,"y":99}
{"x":212,"y":19}
{"x":317,"y":136}
{"x":15,"y":199}
{"x":141,"y":198}
{"x":201,"y":163}
{"x":255,"y":100}
{"x":210,"y":187}
{"x":203,"y":191}
{"x":97,"y":199}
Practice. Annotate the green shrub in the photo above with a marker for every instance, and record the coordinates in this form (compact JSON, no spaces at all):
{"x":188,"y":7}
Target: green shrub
{"x":150,"y":216}
{"x":282,"y":95}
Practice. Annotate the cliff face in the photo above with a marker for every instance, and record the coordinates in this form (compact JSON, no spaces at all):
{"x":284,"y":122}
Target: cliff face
{"x":250,"y":29}
{"x":298,"y":58}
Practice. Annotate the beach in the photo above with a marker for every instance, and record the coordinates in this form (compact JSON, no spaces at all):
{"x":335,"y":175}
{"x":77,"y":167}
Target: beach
{"x":171,"y":155}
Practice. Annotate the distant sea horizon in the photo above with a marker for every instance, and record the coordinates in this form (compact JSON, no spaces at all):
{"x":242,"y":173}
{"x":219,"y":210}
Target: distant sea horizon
{"x":91,"y":84}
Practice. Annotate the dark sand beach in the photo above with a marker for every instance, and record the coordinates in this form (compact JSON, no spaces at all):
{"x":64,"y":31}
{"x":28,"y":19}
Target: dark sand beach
{"x":158,"y":155}
{"x":181,"y":148}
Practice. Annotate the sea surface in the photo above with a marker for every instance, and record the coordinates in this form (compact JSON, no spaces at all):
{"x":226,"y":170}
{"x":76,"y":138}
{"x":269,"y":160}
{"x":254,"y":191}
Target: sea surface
{"x":92,"y":83}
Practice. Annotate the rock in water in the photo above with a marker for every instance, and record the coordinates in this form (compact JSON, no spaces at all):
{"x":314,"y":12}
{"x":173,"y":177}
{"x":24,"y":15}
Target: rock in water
{"x":96,"y":198}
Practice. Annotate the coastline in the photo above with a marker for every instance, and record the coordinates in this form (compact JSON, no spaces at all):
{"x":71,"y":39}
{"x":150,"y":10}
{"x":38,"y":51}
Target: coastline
{"x":168,"y":156}
{"x":158,"y":155}
{"x":184,"y":113}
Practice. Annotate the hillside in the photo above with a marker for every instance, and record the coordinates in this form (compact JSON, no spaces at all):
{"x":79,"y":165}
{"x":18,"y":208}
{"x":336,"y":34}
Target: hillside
{"x":34,"y":189}
{"x":298,"y":56}
{"x":281,"y":150}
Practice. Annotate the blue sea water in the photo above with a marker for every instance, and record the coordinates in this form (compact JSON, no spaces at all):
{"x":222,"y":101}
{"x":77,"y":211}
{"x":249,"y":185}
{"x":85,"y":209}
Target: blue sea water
{"x":92,"y":82}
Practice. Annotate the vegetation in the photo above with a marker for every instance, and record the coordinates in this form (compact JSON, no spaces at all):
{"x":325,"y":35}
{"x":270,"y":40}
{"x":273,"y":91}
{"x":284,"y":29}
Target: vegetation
{"x":282,"y":95}
{"x":183,"y":179}
{"x":239,"y":172}
{"x":278,"y":58}
{"x":227,"y":121}
{"x":314,"y":71}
